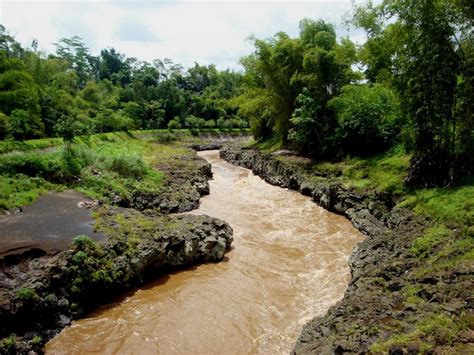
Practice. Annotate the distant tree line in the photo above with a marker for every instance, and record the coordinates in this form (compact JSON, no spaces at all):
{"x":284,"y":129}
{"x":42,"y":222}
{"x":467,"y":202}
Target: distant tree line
{"x":73,"y":92}
{"x":411,"y":83}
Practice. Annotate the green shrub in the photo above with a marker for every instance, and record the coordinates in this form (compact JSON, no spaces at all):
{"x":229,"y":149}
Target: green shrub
{"x":127,"y":165}
{"x":166,"y":137}
{"x":84,"y":243}
{"x":27,"y":294}
{"x":37,"y":340}
{"x":48,"y":166}
{"x":194,"y":122}
{"x":24,"y":124}
{"x":174,"y":124}
{"x":8,"y":345}
{"x":368,"y":116}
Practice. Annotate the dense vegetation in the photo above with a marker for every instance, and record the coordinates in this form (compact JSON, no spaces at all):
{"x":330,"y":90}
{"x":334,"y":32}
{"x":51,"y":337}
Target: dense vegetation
{"x":410,"y":83}
{"x":72,"y":92}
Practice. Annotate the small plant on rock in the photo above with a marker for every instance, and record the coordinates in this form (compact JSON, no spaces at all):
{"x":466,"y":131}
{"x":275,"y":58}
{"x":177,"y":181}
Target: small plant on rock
{"x":27,"y":294}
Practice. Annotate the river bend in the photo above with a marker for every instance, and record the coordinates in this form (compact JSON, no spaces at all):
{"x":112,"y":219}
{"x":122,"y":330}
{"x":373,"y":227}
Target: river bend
{"x":288,"y":264}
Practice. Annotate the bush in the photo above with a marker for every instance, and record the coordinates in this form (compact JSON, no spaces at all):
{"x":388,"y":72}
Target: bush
{"x":210,"y":123}
{"x":127,"y":165}
{"x":37,"y":340}
{"x":108,"y":121}
{"x":83,"y":242}
{"x":368,"y":117}
{"x":24,"y":124}
{"x":27,"y":294}
{"x":8,"y":345}
{"x":48,"y":166}
{"x":194,"y":122}
{"x":174,"y":124}
{"x":166,"y":137}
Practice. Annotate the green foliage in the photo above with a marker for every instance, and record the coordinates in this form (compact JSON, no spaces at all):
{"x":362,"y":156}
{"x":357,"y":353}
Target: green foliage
{"x":4,"y":124}
{"x":437,"y":328}
{"x":288,"y":83}
{"x":174,"y":124}
{"x":73,"y":92}
{"x":8,"y":345}
{"x":27,"y":294}
{"x":17,"y":88}
{"x":10,"y":145}
{"x":84,"y":243}
{"x":47,"y":166}
{"x":36,"y":341}
{"x":383,"y":173}
{"x":23,"y":124}
{"x":90,"y":265}
{"x":423,"y":49}
{"x":21,"y":190}
{"x":368,"y":116}
{"x":128,"y":166}
{"x":306,"y":128}
{"x":423,"y":246}
{"x":194,"y":122}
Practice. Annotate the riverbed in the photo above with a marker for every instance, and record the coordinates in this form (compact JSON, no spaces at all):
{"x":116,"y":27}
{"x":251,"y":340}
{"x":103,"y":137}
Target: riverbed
{"x":287,"y":265}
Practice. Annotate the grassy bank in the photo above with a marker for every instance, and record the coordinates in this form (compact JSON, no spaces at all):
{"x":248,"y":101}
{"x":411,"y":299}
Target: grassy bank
{"x":101,"y":166}
{"x":9,"y":146}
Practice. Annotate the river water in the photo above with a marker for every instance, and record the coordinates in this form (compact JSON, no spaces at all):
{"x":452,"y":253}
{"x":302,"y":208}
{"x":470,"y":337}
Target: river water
{"x":288,"y":264}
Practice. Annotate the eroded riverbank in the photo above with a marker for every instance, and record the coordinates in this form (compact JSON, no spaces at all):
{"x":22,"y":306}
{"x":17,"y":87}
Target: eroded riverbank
{"x":288,"y":264}
{"x":396,"y":302}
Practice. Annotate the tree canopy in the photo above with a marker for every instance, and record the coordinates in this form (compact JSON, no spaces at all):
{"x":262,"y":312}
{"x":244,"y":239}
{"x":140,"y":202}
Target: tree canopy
{"x":73,"y":92}
{"x":409,"y":84}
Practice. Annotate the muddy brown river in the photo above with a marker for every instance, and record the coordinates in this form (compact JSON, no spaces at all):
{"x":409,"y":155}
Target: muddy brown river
{"x":288,"y":264}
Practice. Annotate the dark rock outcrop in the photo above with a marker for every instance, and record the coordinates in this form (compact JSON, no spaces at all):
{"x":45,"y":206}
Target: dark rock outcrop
{"x":40,"y":296}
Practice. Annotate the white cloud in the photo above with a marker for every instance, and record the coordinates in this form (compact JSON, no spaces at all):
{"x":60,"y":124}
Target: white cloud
{"x":186,"y":31}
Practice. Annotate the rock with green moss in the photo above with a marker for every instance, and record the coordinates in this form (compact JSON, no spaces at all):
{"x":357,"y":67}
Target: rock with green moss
{"x":51,"y":291}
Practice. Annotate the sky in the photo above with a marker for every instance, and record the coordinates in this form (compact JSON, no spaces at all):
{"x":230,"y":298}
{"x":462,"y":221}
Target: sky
{"x":185,"y":31}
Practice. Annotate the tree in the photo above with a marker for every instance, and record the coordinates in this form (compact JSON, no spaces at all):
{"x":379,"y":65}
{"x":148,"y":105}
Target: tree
{"x":369,"y":118}
{"x":24,"y":124}
{"x":75,"y":52}
{"x":4,"y":124}
{"x":114,"y":67}
{"x":174,"y":124}
{"x":427,"y":61}
{"x":9,"y":48}
{"x":18,"y":92}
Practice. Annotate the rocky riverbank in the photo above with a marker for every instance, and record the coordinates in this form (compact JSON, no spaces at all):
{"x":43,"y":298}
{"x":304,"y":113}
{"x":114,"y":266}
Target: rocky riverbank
{"x":388,"y":301}
{"x":41,"y":293}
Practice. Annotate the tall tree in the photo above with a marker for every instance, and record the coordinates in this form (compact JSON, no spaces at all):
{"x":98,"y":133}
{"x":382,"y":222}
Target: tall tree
{"x":75,"y":52}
